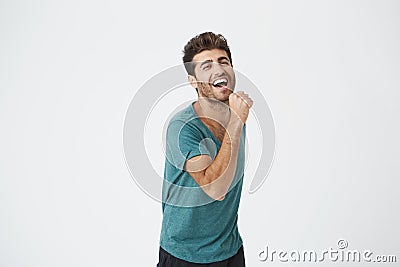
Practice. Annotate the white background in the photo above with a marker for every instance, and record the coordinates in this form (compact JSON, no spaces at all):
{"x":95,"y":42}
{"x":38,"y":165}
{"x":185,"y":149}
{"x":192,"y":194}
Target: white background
{"x":68,"y":70}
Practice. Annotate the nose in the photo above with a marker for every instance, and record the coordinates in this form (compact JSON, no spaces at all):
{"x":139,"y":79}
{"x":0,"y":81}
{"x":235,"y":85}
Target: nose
{"x":217,"y":69}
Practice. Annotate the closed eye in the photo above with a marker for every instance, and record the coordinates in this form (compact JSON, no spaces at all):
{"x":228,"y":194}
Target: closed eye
{"x":224,"y":61}
{"x":206,"y":66}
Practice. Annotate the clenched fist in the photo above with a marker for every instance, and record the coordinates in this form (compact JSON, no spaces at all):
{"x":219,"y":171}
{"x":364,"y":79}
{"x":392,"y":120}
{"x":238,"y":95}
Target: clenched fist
{"x":240,"y":104}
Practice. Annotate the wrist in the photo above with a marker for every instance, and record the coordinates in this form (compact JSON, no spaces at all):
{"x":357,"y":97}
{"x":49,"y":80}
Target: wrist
{"x":235,"y":121}
{"x":234,"y":129}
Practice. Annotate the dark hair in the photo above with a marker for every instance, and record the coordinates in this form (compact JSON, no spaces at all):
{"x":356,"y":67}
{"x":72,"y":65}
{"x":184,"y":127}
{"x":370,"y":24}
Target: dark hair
{"x":204,"y":41}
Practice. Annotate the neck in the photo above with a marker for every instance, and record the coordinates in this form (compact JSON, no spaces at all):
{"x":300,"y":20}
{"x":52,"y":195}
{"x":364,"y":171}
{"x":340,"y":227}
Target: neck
{"x":212,"y":111}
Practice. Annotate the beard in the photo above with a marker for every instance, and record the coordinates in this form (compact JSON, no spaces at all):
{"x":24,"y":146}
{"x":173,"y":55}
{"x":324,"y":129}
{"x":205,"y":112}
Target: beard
{"x":207,"y":91}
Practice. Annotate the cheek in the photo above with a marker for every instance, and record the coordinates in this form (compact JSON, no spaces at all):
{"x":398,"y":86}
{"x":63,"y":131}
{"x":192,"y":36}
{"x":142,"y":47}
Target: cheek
{"x":205,"y":87}
{"x":231,"y":73}
{"x":233,"y":78}
{"x":203,"y":78}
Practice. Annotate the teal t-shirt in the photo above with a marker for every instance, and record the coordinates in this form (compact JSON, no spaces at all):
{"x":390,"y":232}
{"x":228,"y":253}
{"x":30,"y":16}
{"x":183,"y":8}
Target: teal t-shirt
{"x":195,"y":227}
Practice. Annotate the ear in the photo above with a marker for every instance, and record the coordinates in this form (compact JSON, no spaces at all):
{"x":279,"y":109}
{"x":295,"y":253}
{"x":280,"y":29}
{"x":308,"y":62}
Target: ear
{"x":192,"y":80}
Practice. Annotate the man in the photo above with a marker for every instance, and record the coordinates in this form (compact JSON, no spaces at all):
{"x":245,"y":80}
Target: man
{"x":204,"y":164}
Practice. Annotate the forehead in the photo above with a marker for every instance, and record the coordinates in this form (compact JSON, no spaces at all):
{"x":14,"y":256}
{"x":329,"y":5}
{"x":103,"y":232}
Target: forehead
{"x":213,"y":54}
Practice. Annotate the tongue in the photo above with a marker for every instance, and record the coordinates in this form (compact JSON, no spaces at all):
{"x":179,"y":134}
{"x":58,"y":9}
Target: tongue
{"x":221,"y":87}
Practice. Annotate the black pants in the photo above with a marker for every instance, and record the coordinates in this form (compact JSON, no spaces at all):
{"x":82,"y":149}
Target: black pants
{"x":167,"y":260}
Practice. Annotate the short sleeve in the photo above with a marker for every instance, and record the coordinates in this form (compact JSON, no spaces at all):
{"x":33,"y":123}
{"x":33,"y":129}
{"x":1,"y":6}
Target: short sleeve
{"x":184,"y":141}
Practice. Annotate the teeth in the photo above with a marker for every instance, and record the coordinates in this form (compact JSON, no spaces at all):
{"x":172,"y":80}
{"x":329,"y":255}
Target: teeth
{"x":220,"y":81}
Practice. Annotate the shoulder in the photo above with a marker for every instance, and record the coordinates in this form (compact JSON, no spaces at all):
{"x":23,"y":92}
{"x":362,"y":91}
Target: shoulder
{"x":184,"y":118}
{"x":184,"y":115}
{"x":184,"y":123}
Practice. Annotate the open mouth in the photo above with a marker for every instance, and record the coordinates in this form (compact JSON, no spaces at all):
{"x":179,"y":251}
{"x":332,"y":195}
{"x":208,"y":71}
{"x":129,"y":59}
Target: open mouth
{"x":220,"y":83}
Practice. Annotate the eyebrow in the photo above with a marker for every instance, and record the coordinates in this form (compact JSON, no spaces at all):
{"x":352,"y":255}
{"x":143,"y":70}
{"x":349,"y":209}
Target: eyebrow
{"x":210,"y":61}
{"x":222,"y":58}
{"x":205,"y":62}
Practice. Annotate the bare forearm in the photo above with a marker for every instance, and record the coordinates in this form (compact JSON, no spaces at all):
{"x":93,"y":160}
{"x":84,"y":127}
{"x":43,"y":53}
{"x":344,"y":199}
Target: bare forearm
{"x":219,"y":175}
{"x":216,"y":176}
